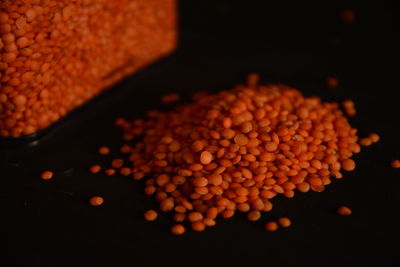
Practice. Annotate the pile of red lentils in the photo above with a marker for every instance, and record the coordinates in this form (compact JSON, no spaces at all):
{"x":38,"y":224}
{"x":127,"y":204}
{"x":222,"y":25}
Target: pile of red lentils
{"x":236,"y":150}
{"x":55,"y":55}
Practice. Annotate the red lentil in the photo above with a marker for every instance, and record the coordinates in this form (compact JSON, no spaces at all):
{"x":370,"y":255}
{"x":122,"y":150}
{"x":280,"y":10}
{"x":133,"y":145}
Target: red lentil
{"x":332,"y":82}
{"x":284,"y":222}
{"x":254,"y":215}
{"x":65,"y":52}
{"x":150,"y":215}
{"x":95,"y":169}
{"x":348,"y":165}
{"x":395,"y":164}
{"x":349,"y":107}
{"x":271,"y":226}
{"x":46,"y":175}
{"x":110,"y":172}
{"x":178,"y":229}
{"x":343,"y":210}
{"x":117,"y":163}
{"x":125,"y":171}
{"x":96,"y":201}
{"x":237,"y":150}
{"x":374,"y":137}
{"x":104,"y":150}
{"x":198,"y":226}
{"x":366,"y":141}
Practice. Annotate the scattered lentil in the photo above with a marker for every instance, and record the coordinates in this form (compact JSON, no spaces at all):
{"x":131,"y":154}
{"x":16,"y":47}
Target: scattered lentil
{"x":96,"y":201}
{"x":117,"y":163}
{"x":95,"y":169}
{"x":343,"y":210}
{"x":395,"y":164}
{"x":254,"y":215}
{"x":46,"y":175}
{"x":110,"y":172}
{"x":332,"y":82}
{"x":271,"y":226}
{"x":104,"y":150}
{"x":150,"y":215}
{"x":284,"y":222}
{"x":178,"y":229}
{"x":374,"y":137}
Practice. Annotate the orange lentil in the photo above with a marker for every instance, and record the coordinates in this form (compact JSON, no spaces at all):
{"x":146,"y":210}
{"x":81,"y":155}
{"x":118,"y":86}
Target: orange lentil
{"x":198,"y":226}
{"x":212,"y":213}
{"x":348,"y":165}
{"x":96,"y":201}
{"x":104,"y":150}
{"x":46,"y":175}
{"x":167,"y":204}
{"x":178,"y":229}
{"x":117,"y":163}
{"x":395,"y":164}
{"x":95,"y":169}
{"x":343,"y":210}
{"x":271,"y":226}
{"x":195,"y":216}
{"x":197,"y":146}
{"x":253,"y":79}
{"x":110,"y":172}
{"x":284,"y":222}
{"x":349,"y":108}
{"x":374,"y":137}
{"x":332,"y":82}
{"x":254,"y":215}
{"x":150,"y":215}
{"x":241,"y":139}
{"x":366,"y":141}
{"x":206,"y":157}
{"x":125,"y":171}
{"x":209,"y":222}
{"x":19,"y":100}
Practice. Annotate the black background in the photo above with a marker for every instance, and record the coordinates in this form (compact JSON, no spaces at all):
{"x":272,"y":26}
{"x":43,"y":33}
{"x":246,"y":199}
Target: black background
{"x":49,"y":223}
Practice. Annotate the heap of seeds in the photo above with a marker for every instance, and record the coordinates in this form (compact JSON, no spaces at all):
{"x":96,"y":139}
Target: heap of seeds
{"x":236,"y":150}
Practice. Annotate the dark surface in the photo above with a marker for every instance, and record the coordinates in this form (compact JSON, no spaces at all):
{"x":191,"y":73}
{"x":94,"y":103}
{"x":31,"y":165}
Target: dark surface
{"x":49,"y":223}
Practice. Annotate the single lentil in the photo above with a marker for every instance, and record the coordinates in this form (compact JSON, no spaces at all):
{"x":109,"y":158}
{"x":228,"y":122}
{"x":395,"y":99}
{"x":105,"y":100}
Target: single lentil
{"x":332,"y":82}
{"x":284,"y":222}
{"x":343,"y":210}
{"x":374,"y":137}
{"x":110,"y":172}
{"x":104,"y":150}
{"x":395,"y":164}
{"x":96,"y":201}
{"x":178,"y":229}
{"x":46,"y":175}
{"x":150,"y":215}
{"x":271,"y":226}
{"x":95,"y":169}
